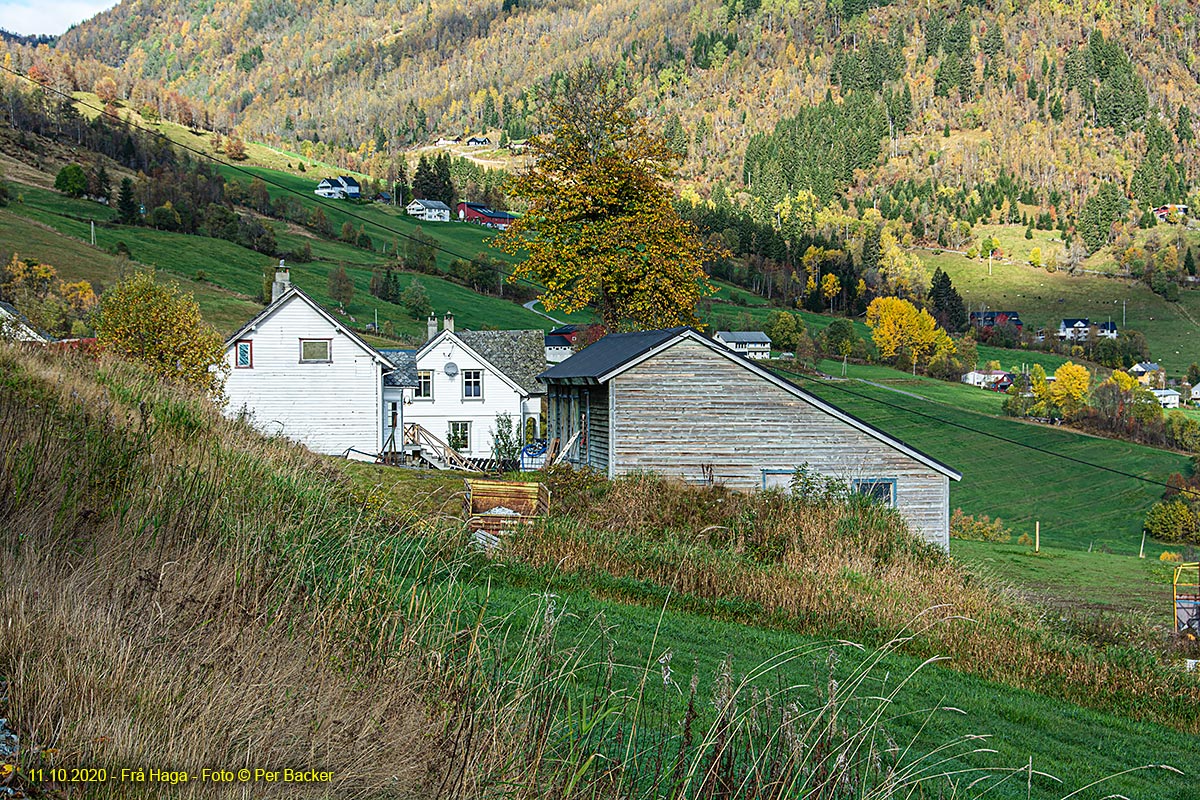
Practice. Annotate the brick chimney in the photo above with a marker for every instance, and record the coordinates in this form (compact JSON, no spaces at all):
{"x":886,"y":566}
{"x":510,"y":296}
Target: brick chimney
{"x":448,"y":322}
{"x":283,"y":281}
{"x":431,"y":327}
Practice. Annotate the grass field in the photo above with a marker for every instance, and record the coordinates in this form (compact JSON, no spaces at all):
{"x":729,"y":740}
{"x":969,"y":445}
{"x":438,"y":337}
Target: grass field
{"x":1078,"y":506}
{"x":1044,"y":298}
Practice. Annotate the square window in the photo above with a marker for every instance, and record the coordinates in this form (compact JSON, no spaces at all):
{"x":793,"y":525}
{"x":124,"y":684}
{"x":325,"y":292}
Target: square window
{"x":245,"y":355}
{"x":879,"y":490}
{"x":424,"y":390}
{"x":472,"y":384}
{"x":314,"y":351}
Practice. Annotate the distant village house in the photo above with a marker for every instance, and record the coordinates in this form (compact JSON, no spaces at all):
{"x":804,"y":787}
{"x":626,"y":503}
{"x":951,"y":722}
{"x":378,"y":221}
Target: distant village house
{"x":342,"y":187}
{"x":752,"y":344}
{"x":481,"y":214}
{"x":429,"y":210}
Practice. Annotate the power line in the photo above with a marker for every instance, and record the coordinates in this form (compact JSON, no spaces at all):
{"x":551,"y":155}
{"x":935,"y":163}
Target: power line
{"x":270,"y":181}
{"x":990,"y":435}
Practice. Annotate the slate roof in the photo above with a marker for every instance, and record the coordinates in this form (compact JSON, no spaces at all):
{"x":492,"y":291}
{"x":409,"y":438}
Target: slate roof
{"x":557,"y":341}
{"x":1145,"y":366}
{"x":405,"y":374}
{"x":749,"y":337}
{"x":432,"y":204}
{"x":10,"y":310}
{"x":1071,"y":322}
{"x":521,"y":355}
{"x":1108,"y":326}
{"x":609,"y":353}
{"x":348,"y":181}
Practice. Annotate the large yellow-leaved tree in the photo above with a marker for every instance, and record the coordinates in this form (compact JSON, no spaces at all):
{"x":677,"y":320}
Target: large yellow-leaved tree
{"x":898,"y":327}
{"x":161,"y":327}
{"x":599,"y":228}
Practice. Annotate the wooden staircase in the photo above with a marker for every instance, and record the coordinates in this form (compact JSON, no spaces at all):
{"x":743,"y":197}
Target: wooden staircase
{"x":433,"y":451}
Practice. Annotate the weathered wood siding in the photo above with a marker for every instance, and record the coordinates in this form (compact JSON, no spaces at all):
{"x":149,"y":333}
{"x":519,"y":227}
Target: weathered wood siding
{"x":328,"y":407}
{"x":688,"y":410}
{"x":574,"y":408}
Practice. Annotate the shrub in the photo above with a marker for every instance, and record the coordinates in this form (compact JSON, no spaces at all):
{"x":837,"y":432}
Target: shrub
{"x":1167,"y":555}
{"x":1173,"y":521}
{"x":978,"y":529}
{"x":1025,"y":540}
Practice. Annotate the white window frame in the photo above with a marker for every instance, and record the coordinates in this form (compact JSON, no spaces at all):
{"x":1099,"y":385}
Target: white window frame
{"x":865,"y":486}
{"x":421,"y":375}
{"x":478,"y":373}
{"x":450,"y":428}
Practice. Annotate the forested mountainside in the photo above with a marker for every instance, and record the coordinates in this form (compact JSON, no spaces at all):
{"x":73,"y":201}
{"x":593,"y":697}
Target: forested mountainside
{"x":1060,"y":94}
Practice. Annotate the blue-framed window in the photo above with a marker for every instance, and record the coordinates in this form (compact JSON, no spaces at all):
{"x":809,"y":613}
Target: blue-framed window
{"x":881,"y":490}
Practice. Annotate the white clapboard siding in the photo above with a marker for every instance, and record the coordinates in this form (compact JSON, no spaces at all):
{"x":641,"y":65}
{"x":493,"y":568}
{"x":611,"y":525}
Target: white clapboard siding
{"x":448,"y":404}
{"x":328,"y":407}
{"x":688,"y":411}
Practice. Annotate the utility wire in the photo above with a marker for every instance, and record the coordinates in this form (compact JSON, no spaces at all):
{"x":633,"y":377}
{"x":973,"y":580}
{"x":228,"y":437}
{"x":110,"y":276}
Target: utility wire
{"x":270,"y":181}
{"x":951,"y":423}
{"x":381,"y":226}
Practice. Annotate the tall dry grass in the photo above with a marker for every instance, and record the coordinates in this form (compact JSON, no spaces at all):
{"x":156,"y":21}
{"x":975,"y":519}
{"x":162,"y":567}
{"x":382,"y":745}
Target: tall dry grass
{"x":835,"y":568}
{"x":179,"y":593}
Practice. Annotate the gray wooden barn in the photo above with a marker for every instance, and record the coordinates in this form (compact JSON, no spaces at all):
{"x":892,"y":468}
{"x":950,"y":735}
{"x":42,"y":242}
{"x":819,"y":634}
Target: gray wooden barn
{"x":676,"y":403}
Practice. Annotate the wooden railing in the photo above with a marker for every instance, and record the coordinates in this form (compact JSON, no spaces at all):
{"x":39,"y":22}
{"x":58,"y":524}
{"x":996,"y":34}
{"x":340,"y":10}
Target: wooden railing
{"x":415,"y":434}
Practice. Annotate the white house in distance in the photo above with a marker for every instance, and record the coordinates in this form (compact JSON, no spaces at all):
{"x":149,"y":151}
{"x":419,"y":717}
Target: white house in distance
{"x":429,"y":210}
{"x":296,"y":371}
{"x":338,"y":188}
{"x":558,"y":348}
{"x":466,"y":378}
{"x":751,"y":344}
{"x":994,"y":379}
{"x":1167,"y":398}
{"x":676,"y":403}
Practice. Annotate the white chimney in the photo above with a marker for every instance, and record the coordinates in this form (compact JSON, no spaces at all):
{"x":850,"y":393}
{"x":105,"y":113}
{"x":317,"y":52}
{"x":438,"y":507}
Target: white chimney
{"x":448,"y":322}
{"x":283,"y":281}
{"x":431,"y":327}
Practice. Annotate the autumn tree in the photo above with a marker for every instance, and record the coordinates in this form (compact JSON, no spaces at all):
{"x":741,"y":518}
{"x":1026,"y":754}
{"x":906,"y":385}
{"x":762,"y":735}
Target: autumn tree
{"x":600,"y":229}
{"x":831,"y":287}
{"x":899,"y":329}
{"x":1070,"y":388}
{"x":235,"y":149}
{"x":106,"y":89}
{"x":161,"y":327}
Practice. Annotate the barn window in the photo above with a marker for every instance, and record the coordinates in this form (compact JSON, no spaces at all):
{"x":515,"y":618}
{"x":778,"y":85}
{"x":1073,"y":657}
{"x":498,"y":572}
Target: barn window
{"x":245,"y":354}
{"x":881,"y":490}
{"x":472,"y":384}
{"x":314,"y":351}
{"x":424,"y":390}
{"x":393,"y":414}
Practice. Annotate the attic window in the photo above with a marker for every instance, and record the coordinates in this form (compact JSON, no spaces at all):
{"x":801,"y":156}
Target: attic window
{"x":314,"y":351}
{"x":245,"y":354}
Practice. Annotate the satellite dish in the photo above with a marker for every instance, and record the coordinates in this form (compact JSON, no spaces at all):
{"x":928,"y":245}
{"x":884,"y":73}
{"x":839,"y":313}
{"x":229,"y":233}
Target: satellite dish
{"x":451,"y":369}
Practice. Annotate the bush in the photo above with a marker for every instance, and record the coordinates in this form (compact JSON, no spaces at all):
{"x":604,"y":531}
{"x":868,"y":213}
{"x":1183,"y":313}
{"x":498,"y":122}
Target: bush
{"x":1173,"y":521}
{"x":978,"y":529}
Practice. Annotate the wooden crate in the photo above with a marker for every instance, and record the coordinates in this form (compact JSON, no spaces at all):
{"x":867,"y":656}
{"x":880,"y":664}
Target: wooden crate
{"x":531,"y":501}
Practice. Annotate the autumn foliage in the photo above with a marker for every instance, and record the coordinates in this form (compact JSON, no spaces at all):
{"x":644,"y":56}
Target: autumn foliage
{"x":600,"y":229}
{"x":161,"y":326}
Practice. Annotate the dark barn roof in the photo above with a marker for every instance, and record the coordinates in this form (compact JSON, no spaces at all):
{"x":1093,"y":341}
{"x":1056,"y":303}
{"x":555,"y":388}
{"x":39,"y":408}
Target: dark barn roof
{"x":607,"y":354}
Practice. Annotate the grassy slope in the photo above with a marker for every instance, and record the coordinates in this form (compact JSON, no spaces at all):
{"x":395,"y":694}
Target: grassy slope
{"x":1043,"y":298}
{"x":1077,"y":744}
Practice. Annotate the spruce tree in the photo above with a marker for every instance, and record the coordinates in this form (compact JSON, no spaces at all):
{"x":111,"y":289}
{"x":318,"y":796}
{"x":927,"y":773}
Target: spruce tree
{"x":946,"y":304}
{"x":127,"y":206}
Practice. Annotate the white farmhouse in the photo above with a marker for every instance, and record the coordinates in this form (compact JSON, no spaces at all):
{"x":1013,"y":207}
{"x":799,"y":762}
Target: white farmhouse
{"x":751,"y":344}
{"x":558,"y":348}
{"x":338,"y":188}
{"x":296,"y":371}
{"x":429,"y":210}
{"x":1167,"y":398}
{"x":466,"y":378}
